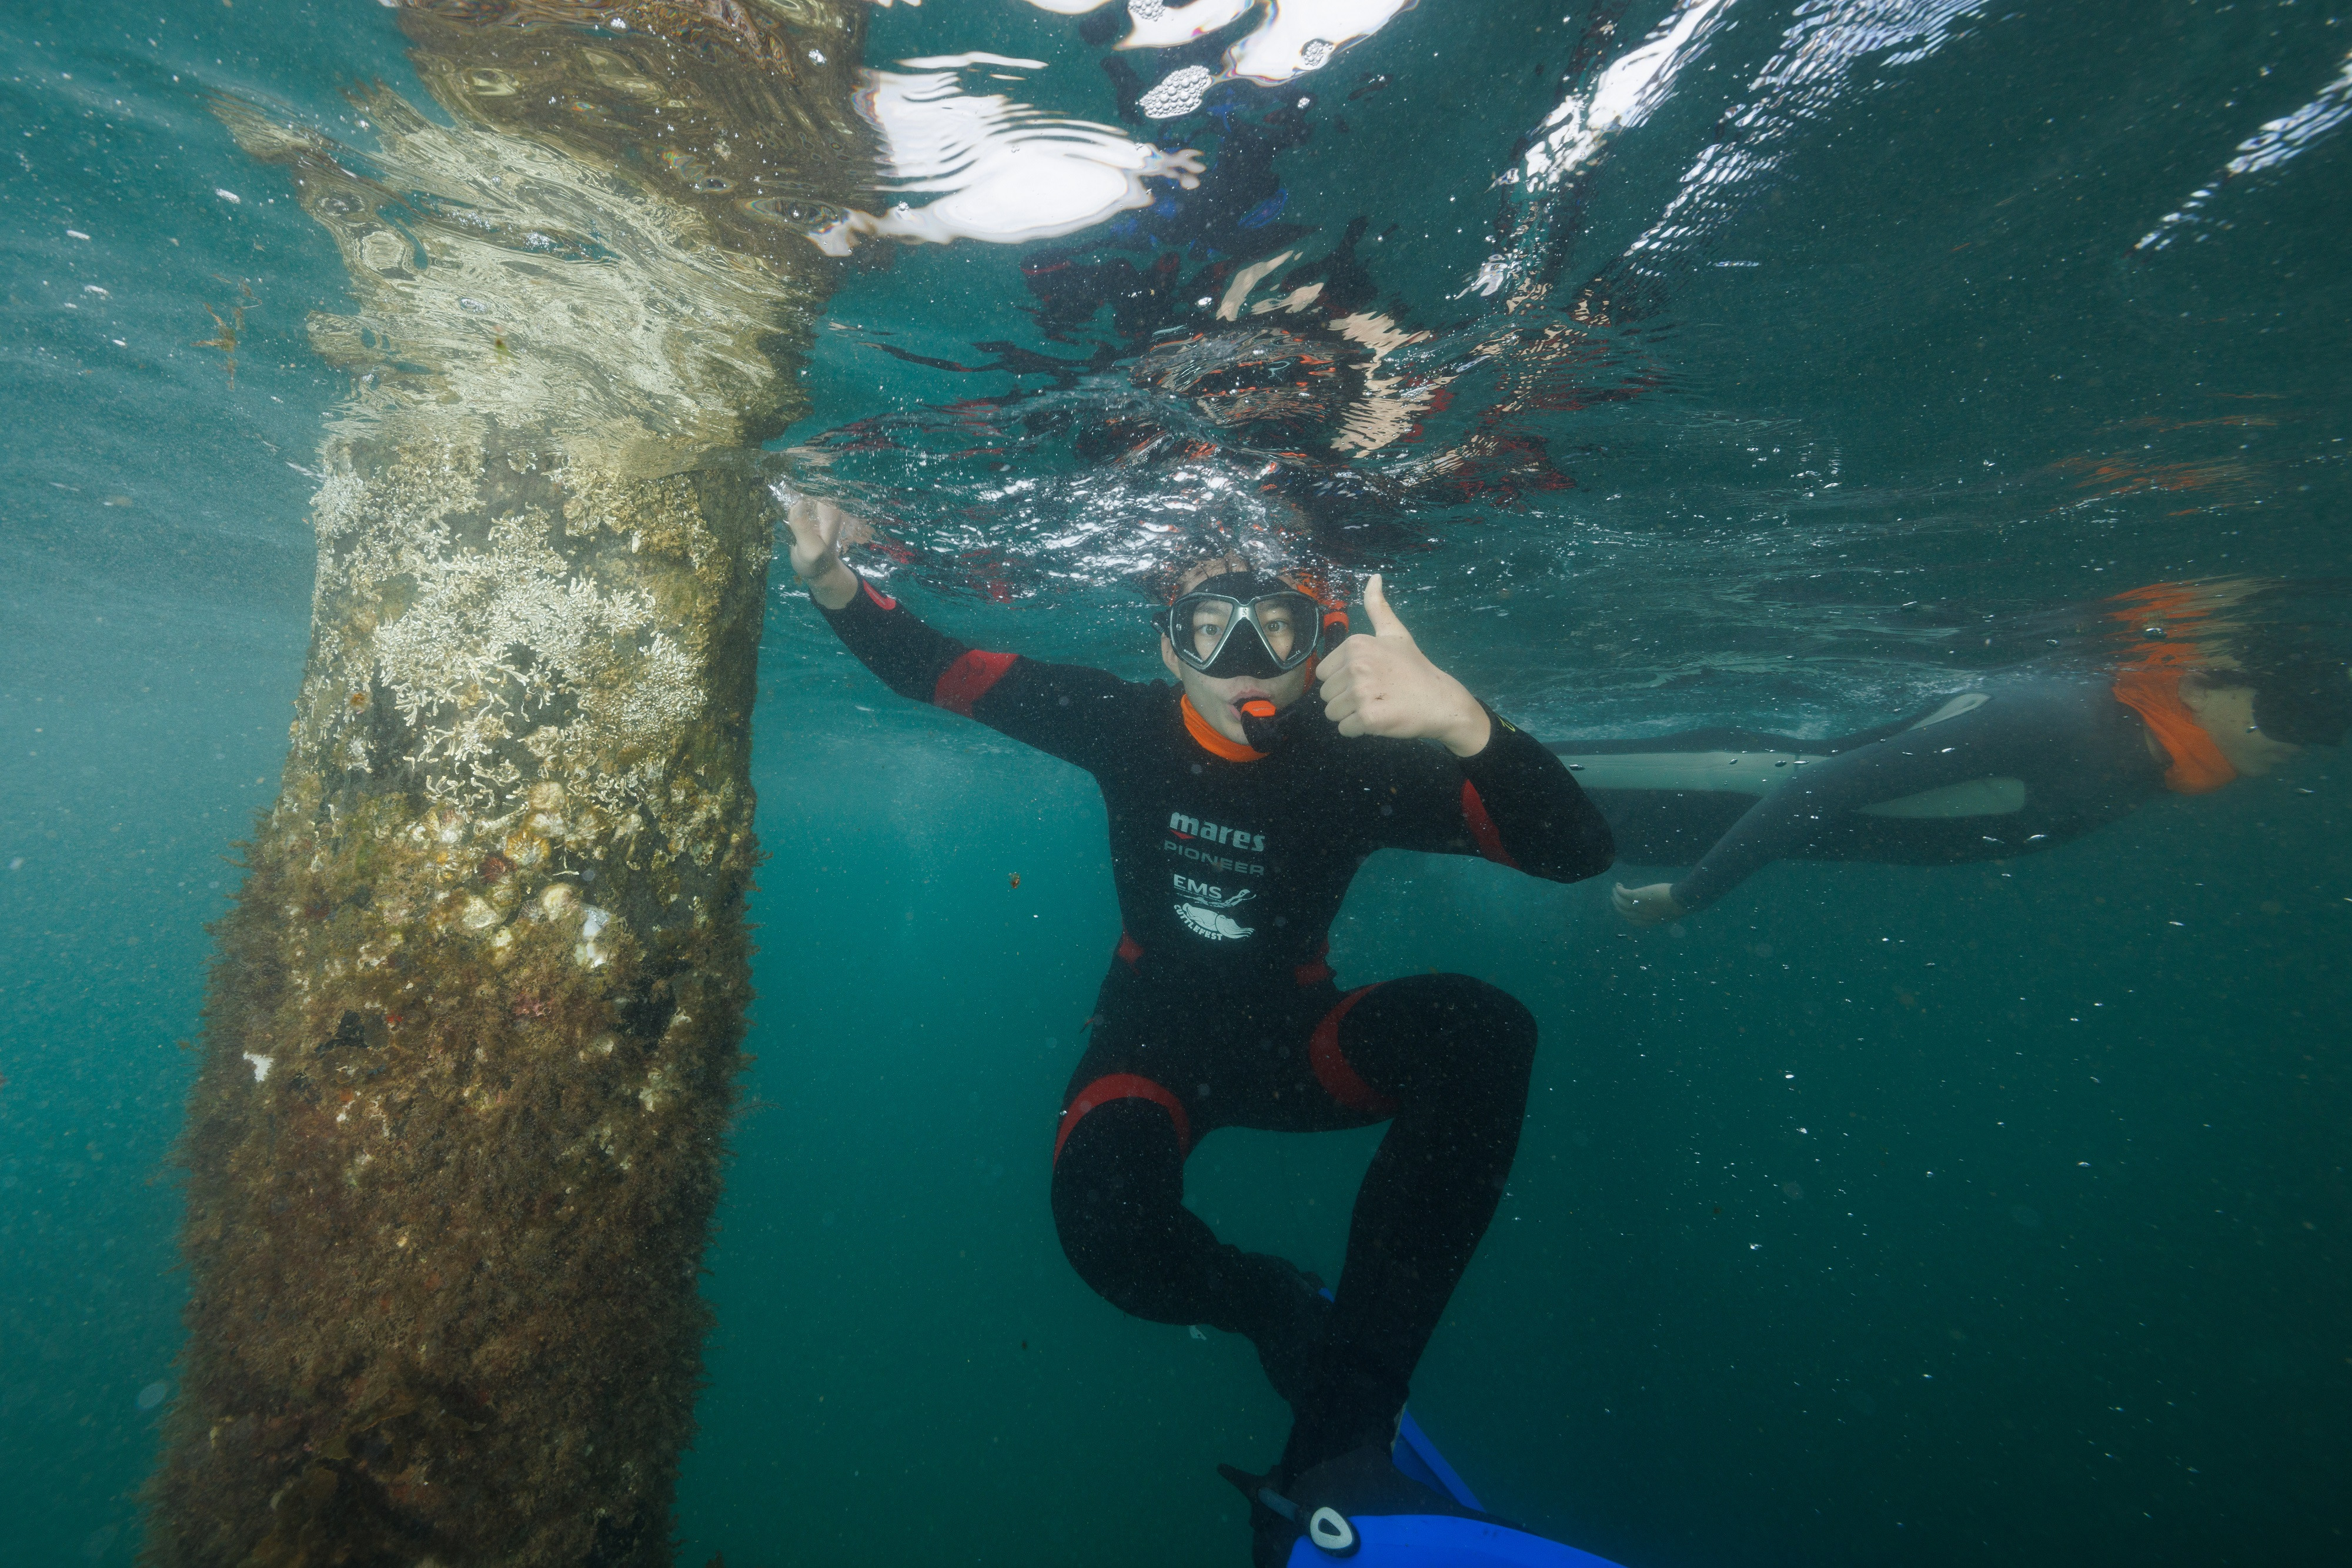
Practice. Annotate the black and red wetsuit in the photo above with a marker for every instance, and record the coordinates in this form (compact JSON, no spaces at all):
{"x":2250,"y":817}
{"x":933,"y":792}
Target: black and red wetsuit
{"x":1219,"y":1008}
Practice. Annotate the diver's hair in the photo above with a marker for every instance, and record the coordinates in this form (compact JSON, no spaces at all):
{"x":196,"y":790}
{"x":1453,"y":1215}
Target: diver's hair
{"x":1175,"y":578}
{"x":1193,"y":567}
{"x":2302,"y":695}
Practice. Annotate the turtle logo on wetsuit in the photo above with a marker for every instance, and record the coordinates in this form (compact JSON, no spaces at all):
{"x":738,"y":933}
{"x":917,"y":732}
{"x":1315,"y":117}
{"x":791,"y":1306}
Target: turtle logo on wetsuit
{"x":1203,"y":915}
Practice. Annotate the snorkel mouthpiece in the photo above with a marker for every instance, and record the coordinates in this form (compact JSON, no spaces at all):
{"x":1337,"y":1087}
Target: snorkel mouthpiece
{"x":1262,"y":724}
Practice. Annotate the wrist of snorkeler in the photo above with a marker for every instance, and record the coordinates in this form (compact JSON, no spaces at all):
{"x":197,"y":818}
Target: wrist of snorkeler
{"x":833,"y":587}
{"x":1468,"y":733}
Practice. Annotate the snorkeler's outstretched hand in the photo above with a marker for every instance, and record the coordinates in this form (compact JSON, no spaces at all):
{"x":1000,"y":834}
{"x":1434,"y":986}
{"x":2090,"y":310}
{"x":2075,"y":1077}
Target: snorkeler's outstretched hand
{"x":818,"y":527}
{"x":1647,"y":906}
{"x":1384,"y":685}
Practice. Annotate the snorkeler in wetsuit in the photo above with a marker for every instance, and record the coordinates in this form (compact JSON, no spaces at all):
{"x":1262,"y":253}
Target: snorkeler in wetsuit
{"x":2016,"y":766}
{"x":1240,"y":807}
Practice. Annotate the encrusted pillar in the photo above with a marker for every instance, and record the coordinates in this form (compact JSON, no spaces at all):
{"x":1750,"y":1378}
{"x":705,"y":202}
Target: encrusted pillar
{"x":473,"y":1031}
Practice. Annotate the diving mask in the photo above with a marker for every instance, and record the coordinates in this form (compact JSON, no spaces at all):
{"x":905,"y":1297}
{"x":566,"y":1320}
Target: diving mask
{"x":1243,"y":625}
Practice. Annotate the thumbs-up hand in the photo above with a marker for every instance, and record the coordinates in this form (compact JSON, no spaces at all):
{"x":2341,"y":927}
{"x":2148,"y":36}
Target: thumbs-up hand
{"x":1384,"y":685}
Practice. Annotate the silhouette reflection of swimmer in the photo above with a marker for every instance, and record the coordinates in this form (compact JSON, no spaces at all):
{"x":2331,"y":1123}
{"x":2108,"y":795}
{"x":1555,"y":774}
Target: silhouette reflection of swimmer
{"x":2012,"y":768}
{"x":1293,"y":371}
{"x":1070,"y":291}
{"x":1230,"y":217}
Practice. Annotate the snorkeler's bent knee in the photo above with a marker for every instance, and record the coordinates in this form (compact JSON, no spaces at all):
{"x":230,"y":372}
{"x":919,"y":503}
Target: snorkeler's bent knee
{"x":1446,"y":1060}
{"x":1118,"y":1209}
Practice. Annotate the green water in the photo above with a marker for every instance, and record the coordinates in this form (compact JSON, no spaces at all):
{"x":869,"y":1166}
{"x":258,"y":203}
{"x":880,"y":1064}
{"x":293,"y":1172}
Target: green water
{"x":1880,"y":1215}
{"x":2061,"y":1288}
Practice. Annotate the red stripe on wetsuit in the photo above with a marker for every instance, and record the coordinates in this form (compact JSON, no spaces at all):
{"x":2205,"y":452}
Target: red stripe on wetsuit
{"x":1482,"y":832}
{"x":967,"y":680}
{"x":1332,"y":1070}
{"x":1125,"y":1086}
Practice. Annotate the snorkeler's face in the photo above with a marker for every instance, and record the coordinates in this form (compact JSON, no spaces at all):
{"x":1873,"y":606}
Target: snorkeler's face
{"x":1220,"y":700}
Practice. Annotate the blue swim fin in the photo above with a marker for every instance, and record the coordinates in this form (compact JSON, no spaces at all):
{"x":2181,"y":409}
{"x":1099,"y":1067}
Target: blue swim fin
{"x":1418,"y":1458}
{"x":1404,"y":1509}
{"x":1362,"y":1506}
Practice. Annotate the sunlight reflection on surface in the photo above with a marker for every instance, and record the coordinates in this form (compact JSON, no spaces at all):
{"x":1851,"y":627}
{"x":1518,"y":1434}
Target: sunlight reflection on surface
{"x":1011,"y":173}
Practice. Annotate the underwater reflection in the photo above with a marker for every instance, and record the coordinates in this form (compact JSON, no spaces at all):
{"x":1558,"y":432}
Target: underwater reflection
{"x":1291,"y":38}
{"x":2275,"y":143}
{"x":1010,"y":172}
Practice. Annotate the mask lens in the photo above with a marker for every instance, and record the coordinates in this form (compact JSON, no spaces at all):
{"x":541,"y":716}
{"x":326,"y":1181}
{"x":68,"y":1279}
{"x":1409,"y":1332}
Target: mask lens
{"x":1205,"y":626}
{"x":1286,"y":621}
{"x":1198,"y":625}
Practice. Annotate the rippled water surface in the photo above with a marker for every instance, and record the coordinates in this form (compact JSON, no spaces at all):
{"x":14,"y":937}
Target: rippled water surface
{"x":1719,"y":363}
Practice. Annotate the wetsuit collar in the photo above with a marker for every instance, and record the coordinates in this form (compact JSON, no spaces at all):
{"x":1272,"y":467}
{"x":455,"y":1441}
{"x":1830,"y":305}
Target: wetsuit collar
{"x":1210,"y":741}
{"x":2197,"y":766}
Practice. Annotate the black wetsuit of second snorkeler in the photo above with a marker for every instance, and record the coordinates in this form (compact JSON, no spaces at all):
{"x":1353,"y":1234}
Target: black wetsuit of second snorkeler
{"x":1220,"y":1010}
{"x":2017,"y":767}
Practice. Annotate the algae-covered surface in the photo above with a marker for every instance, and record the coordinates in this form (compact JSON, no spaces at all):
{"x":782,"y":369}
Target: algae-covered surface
{"x":471,"y":1050}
